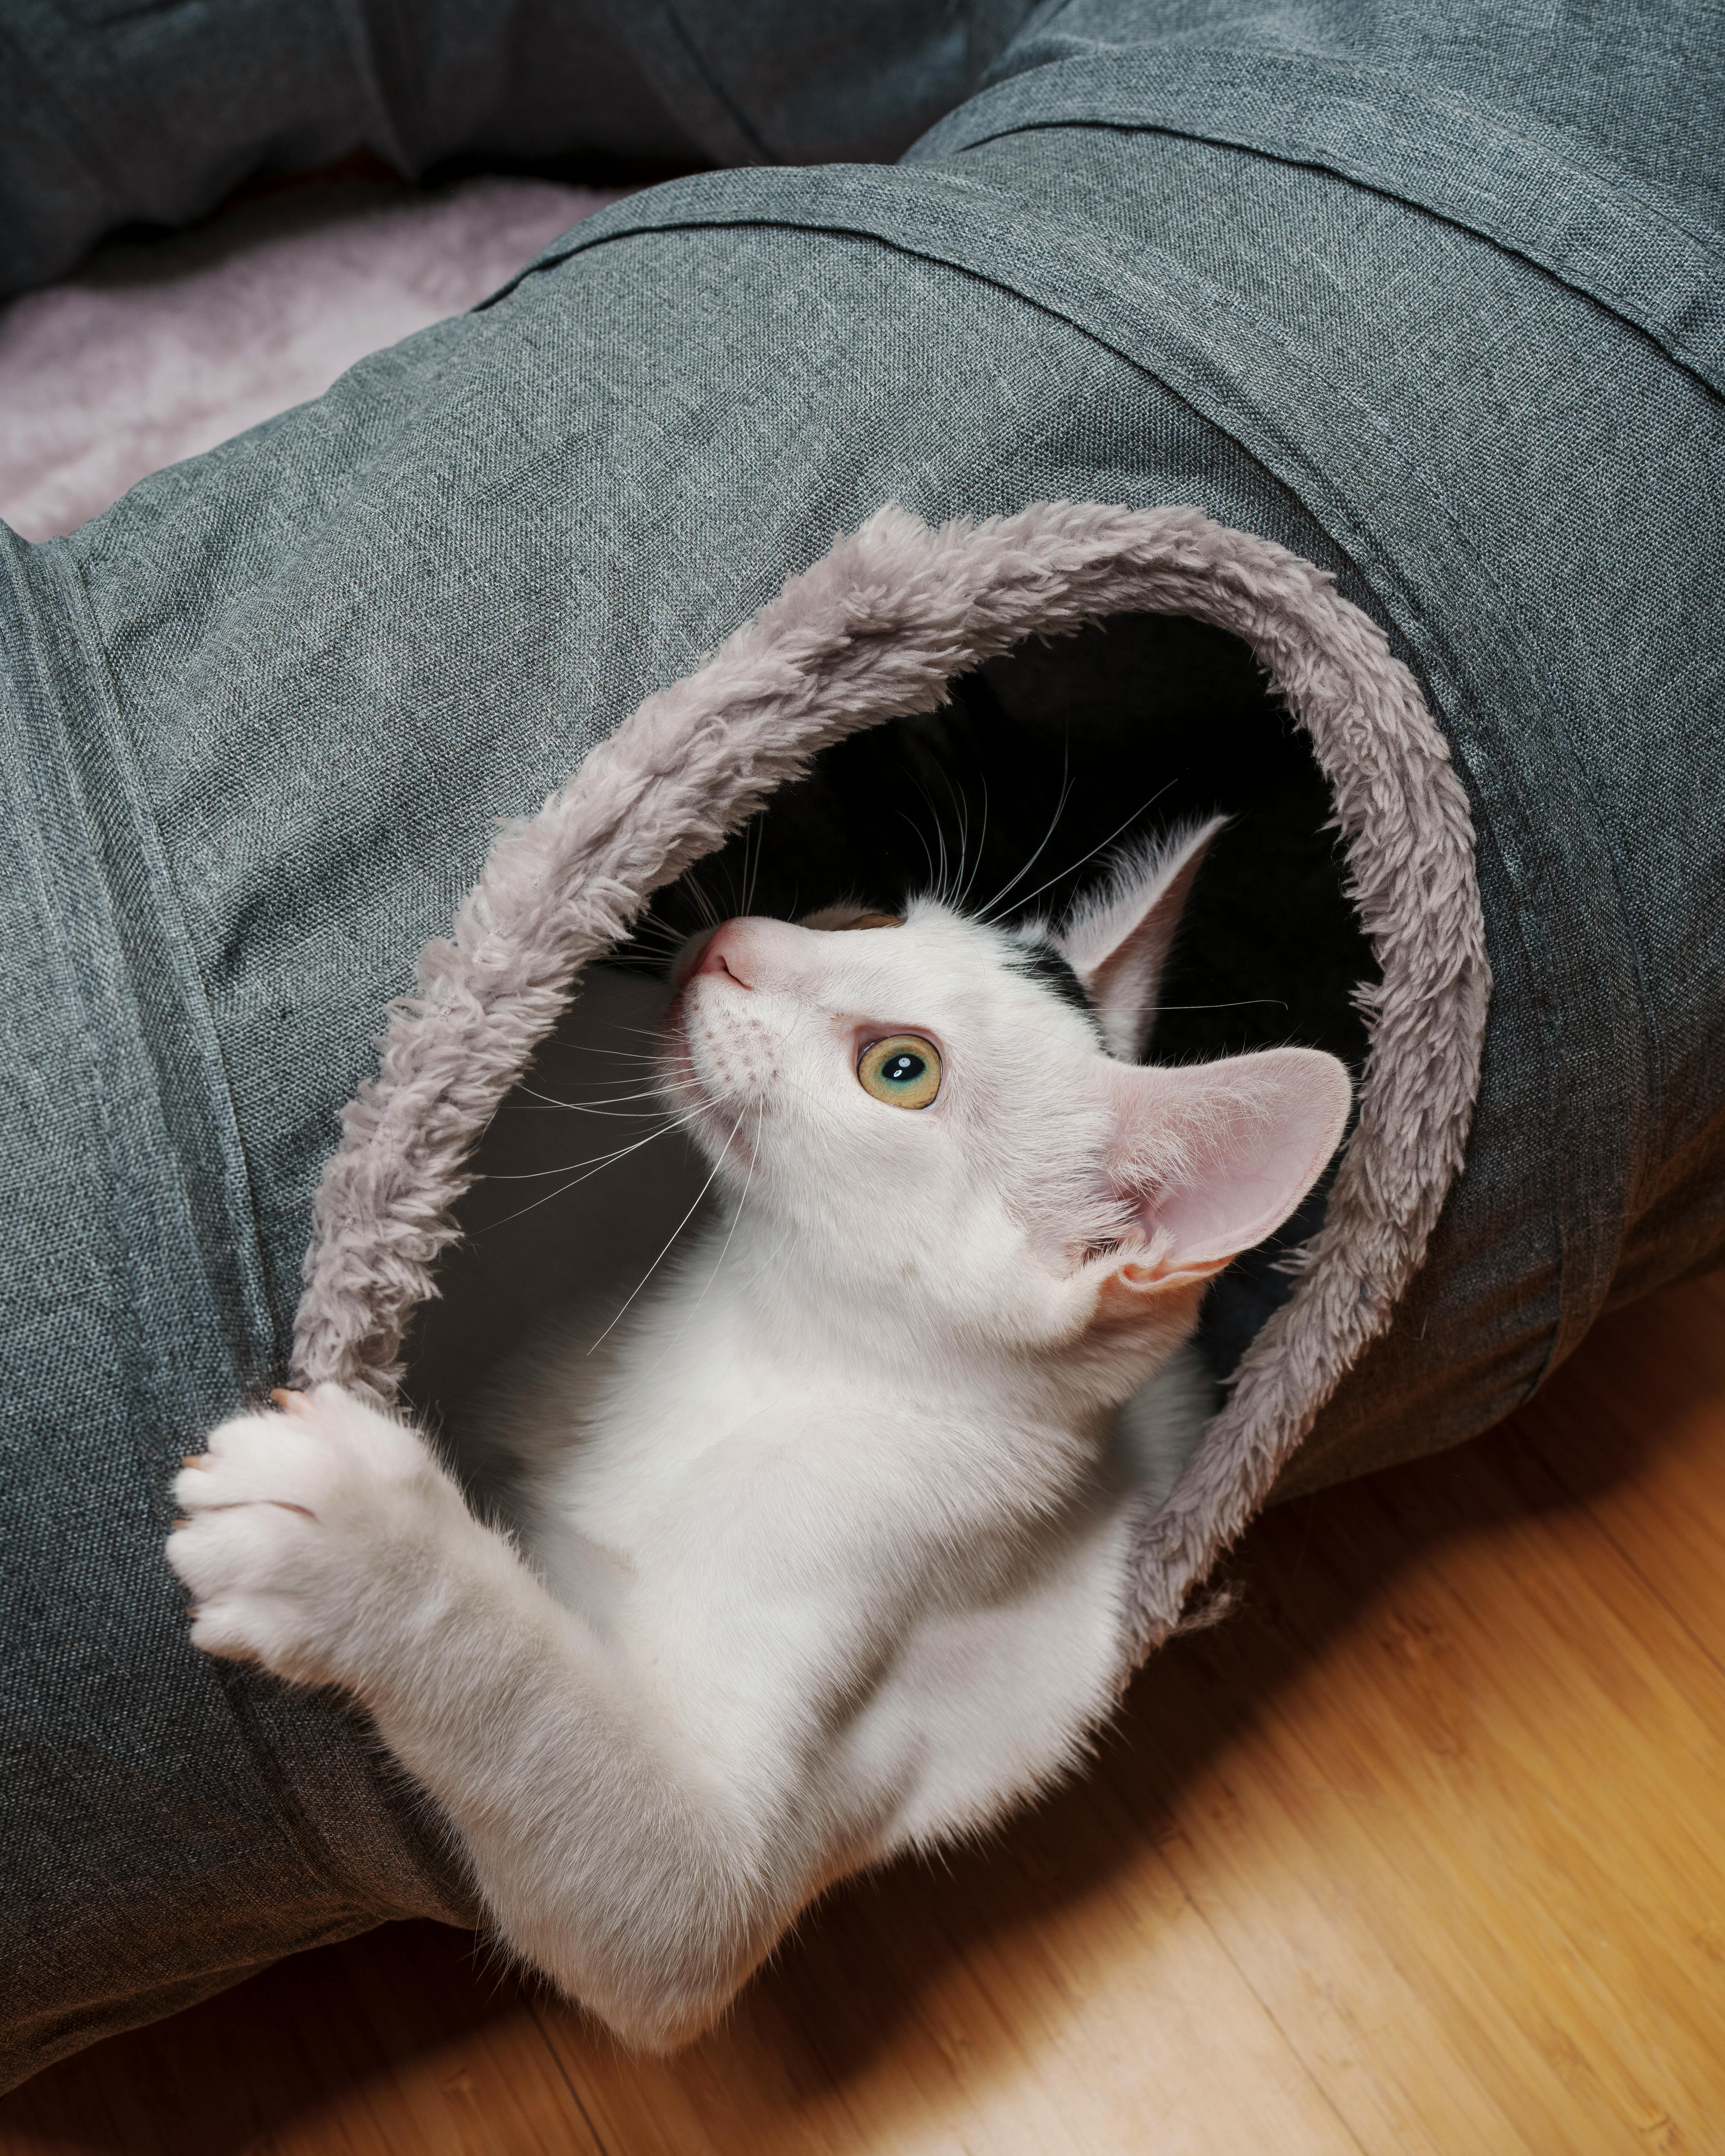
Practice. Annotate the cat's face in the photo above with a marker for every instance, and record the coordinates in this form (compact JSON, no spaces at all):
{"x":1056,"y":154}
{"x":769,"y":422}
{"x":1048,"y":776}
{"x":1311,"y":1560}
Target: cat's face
{"x":923,"y":1112}
{"x":913,"y":1083}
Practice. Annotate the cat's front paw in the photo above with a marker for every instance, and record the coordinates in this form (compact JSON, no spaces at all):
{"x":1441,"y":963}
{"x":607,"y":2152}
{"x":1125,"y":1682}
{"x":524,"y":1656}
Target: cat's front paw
{"x":306,"y":1536}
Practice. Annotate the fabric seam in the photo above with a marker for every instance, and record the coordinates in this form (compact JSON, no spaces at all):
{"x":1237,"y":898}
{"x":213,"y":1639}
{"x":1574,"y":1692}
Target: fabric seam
{"x":1383,"y":191}
{"x":314,"y":1850}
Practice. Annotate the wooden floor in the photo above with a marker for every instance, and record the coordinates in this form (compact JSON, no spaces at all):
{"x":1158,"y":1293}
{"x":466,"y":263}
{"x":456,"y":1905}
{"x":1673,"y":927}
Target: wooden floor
{"x":1424,"y":1851}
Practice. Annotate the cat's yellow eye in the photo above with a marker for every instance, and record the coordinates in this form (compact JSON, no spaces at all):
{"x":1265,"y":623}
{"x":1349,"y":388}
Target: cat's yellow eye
{"x":904,"y":1071}
{"x":874,"y":921}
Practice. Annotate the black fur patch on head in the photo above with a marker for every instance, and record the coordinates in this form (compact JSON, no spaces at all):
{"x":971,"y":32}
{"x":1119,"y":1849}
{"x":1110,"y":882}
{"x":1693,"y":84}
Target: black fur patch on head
{"x":1039,"y":962}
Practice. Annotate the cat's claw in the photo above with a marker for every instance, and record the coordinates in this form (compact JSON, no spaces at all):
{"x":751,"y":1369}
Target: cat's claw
{"x":291,"y":1525}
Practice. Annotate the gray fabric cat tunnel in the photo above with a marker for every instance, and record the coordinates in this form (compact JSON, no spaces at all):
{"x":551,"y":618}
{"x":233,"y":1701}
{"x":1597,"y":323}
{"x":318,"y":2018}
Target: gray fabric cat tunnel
{"x":875,"y":631}
{"x":1419,"y":311}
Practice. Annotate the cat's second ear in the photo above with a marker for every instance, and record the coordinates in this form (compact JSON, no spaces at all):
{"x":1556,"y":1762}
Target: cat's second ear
{"x":1118,"y":942}
{"x":1216,"y":1156}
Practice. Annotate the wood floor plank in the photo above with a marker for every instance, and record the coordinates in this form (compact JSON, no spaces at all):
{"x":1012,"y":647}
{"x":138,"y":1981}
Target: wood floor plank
{"x":1058,"y":1993}
{"x":1537,"y":1911}
{"x":1421,"y":1854}
{"x":1657,"y":1367}
{"x":1526,"y":1737}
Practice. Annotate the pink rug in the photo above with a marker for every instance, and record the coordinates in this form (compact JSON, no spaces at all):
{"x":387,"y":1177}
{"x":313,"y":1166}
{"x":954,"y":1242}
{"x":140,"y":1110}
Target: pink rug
{"x":160,"y":348}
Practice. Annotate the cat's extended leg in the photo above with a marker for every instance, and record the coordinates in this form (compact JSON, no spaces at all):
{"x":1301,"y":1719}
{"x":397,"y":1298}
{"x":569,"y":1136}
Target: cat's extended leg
{"x":328,"y":1544}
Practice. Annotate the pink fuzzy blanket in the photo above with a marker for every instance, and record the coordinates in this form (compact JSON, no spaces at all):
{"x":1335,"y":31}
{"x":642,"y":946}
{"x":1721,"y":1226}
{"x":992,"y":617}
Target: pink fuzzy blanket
{"x":160,"y":348}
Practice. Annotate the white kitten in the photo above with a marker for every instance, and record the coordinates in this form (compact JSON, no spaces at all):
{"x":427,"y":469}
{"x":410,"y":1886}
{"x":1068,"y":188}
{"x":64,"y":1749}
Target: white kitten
{"x":827,"y":1556}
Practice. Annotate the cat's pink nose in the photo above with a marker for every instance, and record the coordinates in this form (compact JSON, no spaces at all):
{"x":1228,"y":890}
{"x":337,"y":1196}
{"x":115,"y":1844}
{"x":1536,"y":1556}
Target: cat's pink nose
{"x":725,"y":952}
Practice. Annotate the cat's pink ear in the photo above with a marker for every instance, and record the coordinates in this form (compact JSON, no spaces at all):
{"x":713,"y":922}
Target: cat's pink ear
{"x":1216,"y":1156}
{"x":1118,"y":942}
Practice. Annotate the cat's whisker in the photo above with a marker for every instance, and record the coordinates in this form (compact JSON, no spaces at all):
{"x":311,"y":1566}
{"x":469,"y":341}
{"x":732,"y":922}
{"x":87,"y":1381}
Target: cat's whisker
{"x":648,"y":1034}
{"x":589,"y":1167}
{"x":936,"y":867}
{"x":703,"y":904}
{"x":665,"y":1084}
{"x":739,"y":898}
{"x":574,"y":1108}
{"x":904,"y":817}
{"x":491,"y":1226}
{"x":593,"y":1164}
{"x":655,"y":1092}
{"x":943,"y":885}
{"x":580,"y":1044}
{"x":580,"y":1108}
{"x":609,"y":1160}
{"x":553,"y":1100}
{"x":1073,"y":867}
{"x":645,"y":1067}
{"x":757,"y":829}
{"x":986,"y":912}
{"x":670,"y":938}
{"x":642,"y":1084}
{"x":1244,"y":1003}
{"x":675,"y":1233}
{"x":962,"y":806}
{"x":591,"y":1048}
{"x":730,"y":1233}
{"x":982,"y":850}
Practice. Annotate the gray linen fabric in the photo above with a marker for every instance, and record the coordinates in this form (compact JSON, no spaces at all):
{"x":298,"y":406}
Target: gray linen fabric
{"x":1430,"y":296}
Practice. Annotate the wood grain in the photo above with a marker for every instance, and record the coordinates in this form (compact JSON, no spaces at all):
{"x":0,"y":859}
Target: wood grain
{"x":1423,"y":1851}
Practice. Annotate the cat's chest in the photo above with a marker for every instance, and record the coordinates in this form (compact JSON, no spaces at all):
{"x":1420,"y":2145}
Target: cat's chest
{"x":738,"y":1499}
{"x":839,"y":1591}
{"x":746,"y":1465}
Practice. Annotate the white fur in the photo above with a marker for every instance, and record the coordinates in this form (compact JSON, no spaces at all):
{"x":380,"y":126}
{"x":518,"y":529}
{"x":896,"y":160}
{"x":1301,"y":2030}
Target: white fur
{"x":826,"y":1550}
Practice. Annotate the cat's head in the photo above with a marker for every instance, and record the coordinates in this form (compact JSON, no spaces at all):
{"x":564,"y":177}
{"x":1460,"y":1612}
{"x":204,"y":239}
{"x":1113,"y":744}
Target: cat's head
{"x":941,"y":1128}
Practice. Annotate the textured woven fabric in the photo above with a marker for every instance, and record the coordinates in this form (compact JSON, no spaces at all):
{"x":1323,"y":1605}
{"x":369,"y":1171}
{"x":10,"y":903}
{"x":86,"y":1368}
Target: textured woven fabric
{"x":1429,"y":297}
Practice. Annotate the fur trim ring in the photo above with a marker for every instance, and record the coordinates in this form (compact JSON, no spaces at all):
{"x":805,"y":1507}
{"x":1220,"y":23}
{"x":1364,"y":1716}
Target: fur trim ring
{"x":874,"y":631}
